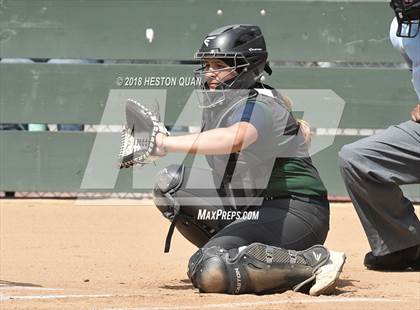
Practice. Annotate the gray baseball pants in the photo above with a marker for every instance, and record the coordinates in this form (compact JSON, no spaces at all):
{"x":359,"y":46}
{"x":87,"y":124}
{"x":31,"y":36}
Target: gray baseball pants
{"x":373,"y":170}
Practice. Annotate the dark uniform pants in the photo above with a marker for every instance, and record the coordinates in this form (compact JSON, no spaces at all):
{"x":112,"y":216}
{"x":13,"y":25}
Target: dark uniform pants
{"x":295,"y":222}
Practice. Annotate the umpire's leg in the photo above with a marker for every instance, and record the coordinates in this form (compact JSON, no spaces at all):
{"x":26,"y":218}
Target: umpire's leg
{"x":373,"y":170}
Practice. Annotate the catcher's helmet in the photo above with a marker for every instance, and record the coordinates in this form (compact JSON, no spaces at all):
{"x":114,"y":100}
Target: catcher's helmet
{"x":242,"y":48}
{"x":408,"y":14}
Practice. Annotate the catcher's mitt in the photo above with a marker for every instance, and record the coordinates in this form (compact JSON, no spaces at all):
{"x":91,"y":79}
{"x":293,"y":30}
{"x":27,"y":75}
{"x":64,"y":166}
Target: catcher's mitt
{"x":138,"y":137}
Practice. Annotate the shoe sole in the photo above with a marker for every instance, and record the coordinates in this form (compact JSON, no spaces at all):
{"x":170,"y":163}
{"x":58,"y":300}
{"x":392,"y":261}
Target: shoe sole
{"x":329,"y":288}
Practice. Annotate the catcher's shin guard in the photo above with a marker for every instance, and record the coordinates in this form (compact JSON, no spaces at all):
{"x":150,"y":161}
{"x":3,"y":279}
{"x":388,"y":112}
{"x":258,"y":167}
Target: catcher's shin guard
{"x":167,"y":189}
{"x":258,"y":268}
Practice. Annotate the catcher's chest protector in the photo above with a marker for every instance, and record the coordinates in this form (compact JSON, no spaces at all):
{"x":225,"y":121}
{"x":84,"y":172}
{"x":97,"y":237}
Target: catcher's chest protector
{"x":248,"y":171}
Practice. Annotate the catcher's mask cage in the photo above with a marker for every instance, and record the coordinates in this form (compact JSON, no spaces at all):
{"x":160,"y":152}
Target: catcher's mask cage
{"x":211,"y":97}
{"x":242,"y":48}
{"x":407,"y":13}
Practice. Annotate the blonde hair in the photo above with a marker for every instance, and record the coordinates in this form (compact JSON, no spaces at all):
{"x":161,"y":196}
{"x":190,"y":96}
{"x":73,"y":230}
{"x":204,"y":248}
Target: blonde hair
{"x":304,"y":126}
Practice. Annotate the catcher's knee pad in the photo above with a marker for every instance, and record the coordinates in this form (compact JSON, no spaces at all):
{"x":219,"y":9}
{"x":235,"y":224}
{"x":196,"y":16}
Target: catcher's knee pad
{"x":167,"y":183}
{"x":167,"y":194}
{"x":258,"y":268}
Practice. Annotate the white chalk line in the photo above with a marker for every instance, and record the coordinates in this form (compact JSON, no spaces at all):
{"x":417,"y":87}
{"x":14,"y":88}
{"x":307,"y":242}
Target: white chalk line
{"x":265,"y":303}
{"x":58,"y":296}
{"x":28,"y":288}
{"x":206,"y":306}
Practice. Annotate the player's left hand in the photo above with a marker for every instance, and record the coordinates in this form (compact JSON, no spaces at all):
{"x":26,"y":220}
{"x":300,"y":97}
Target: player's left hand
{"x":415,"y":114}
{"x":160,"y":149}
{"x":142,"y":136}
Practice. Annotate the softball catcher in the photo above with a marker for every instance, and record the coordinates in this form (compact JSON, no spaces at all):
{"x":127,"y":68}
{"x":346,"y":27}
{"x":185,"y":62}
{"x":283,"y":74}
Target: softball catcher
{"x":258,"y":154}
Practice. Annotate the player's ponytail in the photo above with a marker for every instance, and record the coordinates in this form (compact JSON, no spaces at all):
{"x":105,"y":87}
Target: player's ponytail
{"x":306,"y":130}
{"x":304,"y":126}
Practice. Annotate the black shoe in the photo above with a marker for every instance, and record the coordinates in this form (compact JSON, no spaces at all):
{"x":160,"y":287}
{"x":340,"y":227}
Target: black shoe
{"x":416,"y":264}
{"x":396,"y":261}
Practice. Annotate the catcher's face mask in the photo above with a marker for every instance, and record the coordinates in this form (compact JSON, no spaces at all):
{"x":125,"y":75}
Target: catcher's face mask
{"x":217,"y":74}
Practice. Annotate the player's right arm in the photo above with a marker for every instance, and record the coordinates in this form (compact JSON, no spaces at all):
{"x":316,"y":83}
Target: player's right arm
{"x":212,"y":142}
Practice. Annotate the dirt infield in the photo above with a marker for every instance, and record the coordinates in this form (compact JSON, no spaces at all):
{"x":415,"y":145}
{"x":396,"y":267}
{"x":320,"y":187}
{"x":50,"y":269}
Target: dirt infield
{"x":64,"y":254}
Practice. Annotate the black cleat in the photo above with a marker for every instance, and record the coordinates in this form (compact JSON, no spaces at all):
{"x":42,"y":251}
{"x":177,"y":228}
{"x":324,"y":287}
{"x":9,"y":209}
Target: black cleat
{"x":396,"y":261}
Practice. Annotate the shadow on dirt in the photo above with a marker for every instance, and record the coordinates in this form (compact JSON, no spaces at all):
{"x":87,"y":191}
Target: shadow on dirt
{"x":4,"y":283}
{"x":344,"y":286}
{"x":184,"y":285}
